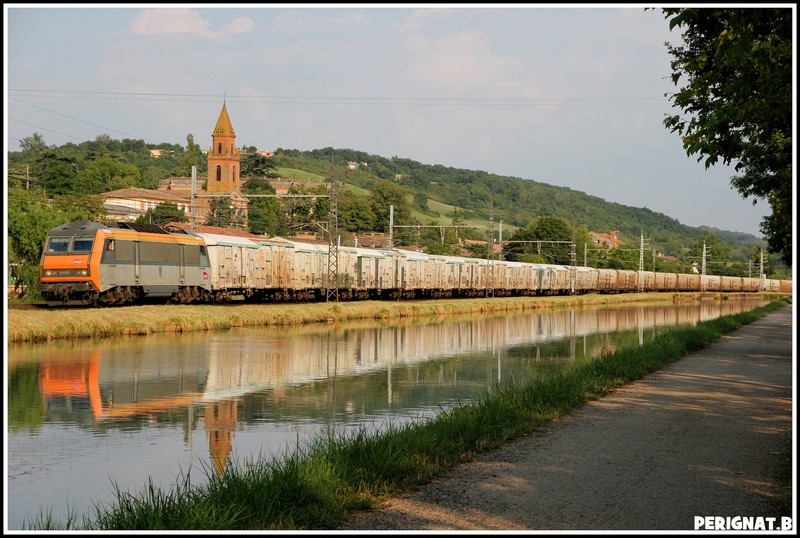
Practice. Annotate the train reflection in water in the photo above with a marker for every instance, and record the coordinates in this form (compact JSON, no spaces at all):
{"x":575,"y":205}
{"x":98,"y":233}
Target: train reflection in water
{"x":147,"y":379}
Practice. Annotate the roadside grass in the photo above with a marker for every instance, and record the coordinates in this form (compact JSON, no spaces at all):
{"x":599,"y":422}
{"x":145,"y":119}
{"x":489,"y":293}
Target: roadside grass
{"x":317,"y":485}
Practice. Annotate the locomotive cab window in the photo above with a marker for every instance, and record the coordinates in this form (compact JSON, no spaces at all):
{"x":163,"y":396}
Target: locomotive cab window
{"x":58,"y":244}
{"x":82,"y":244}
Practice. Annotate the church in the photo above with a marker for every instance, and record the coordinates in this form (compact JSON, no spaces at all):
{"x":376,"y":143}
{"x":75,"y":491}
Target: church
{"x":223,"y":180}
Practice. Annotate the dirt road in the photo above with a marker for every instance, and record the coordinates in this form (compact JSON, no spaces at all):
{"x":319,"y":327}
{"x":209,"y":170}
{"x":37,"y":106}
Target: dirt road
{"x":698,"y":438}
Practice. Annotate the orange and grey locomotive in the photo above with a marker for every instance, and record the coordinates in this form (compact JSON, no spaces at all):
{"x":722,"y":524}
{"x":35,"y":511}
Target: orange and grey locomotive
{"x":91,"y":263}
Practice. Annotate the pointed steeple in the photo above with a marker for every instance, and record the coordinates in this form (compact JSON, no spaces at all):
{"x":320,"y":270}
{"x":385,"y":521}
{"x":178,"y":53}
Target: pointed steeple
{"x":223,"y":156}
{"x":224,"y":126}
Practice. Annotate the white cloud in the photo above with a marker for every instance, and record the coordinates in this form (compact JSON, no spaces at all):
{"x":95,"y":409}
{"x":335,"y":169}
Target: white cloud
{"x":162,"y":21}
{"x":455,"y":62}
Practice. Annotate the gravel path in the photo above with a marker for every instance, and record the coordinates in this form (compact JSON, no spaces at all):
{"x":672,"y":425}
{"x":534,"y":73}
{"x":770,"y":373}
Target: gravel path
{"x":697,"y":438}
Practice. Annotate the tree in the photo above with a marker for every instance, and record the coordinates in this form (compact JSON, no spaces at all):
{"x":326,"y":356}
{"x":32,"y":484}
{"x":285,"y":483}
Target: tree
{"x":255,"y":165}
{"x":545,"y":240}
{"x":33,"y":145}
{"x":59,"y":175}
{"x":736,"y":67}
{"x":163,"y":213}
{"x":222,"y":212}
{"x":457,"y":222}
{"x":107,"y":173}
{"x":717,"y":254}
{"x":385,"y":194}
{"x":193,"y":156}
{"x":421,"y":201}
{"x":355,"y":213}
{"x":263,"y":212}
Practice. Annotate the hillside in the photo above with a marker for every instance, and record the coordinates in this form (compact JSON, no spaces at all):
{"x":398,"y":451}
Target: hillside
{"x":433,"y":191}
{"x":515,"y":201}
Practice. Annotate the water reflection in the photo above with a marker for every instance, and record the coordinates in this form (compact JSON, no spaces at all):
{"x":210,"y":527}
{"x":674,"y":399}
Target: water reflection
{"x":82,"y":413}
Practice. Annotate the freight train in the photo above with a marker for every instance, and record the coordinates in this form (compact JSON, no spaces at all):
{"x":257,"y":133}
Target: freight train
{"x":103,"y":264}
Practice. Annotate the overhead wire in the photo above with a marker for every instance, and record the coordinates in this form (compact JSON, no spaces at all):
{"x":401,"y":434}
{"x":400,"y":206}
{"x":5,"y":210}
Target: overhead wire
{"x":34,"y":93}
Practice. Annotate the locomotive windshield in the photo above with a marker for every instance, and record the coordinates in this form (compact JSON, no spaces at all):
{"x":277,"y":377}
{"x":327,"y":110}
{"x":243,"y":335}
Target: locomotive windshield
{"x":63,"y":245}
{"x":82,"y":244}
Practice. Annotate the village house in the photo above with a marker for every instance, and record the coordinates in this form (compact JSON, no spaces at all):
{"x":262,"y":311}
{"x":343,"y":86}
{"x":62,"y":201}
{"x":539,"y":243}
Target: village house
{"x":608,"y":240}
{"x":131,"y":203}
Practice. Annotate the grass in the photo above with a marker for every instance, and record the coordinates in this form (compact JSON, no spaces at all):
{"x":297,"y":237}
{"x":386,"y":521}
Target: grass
{"x":43,"y":324}
{"x":294,"y":173}
{"x":318,"y":484}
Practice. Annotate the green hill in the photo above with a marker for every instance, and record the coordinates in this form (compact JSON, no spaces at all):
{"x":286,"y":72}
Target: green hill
{"x":515,"y":201}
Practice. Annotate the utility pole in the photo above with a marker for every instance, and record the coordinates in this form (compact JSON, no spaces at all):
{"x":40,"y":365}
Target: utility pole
{"x":194,"y":197}
{"x":573,"y":260}
{"x":333,"y":241}
{"x":391,"y":226}
{"x":642,"y":244}
{"x":489,"y":256}
{"x":706,"y":251}
{"x":500,"y":243}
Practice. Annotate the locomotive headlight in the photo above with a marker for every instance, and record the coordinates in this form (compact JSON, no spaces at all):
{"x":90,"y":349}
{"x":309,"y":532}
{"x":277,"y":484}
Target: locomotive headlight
{"x":65,"y":272}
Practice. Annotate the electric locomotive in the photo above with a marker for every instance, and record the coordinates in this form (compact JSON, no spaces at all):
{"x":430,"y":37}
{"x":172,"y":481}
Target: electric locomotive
{"x":91,"y":263}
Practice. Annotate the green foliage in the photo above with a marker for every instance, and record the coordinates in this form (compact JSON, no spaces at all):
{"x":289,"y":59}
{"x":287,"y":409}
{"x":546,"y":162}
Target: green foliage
{"x":254,"y":165}
{"x":263,"y":213}
{"x":193,"y":156}
{"x":303,"y":211}
{"x":107,"y":173}
{"x":222,"y":213}
{"x":355,"y":214}
{"x":549,"y":238}
{"x":737,"y":70}
{"x":163,"y":213}
{"x":26,"y":409}
{"x":384,"y":194}
{"x":33,"y":145}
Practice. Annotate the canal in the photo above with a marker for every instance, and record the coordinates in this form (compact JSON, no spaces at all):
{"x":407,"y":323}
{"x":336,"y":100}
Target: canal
{"x":86,"y":417}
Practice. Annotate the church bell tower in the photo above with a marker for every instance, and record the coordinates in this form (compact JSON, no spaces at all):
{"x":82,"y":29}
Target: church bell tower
{"x":223,"y":157}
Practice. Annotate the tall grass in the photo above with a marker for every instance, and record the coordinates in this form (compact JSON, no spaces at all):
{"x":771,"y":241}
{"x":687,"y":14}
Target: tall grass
{"x":48,"y":324}
{"x":315,"y":486}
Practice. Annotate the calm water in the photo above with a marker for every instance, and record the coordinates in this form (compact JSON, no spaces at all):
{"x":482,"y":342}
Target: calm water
{"x":82,"y":416}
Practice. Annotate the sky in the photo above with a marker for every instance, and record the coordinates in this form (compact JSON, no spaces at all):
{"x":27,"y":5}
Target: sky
{"x":567,"y":95}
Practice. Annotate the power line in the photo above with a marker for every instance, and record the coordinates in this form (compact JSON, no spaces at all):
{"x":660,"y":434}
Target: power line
{"x":308,"y":100}
{"x":46,"y":129}
{"x":345,"y":100}
{"x":69,"y":117}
